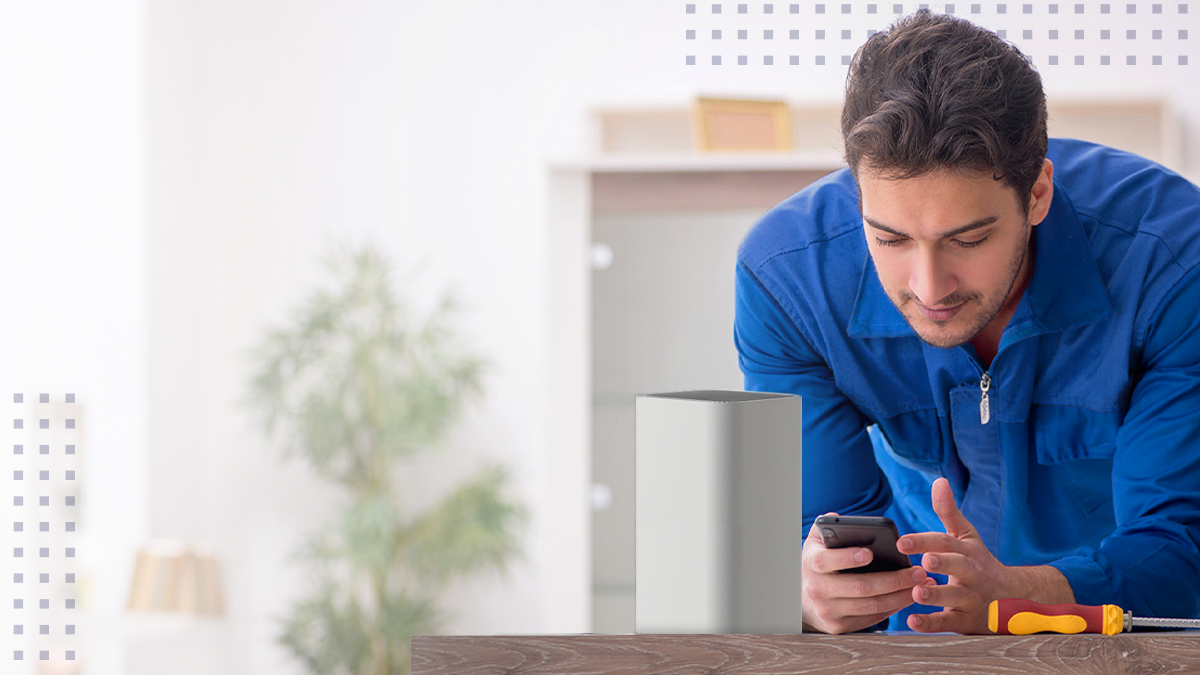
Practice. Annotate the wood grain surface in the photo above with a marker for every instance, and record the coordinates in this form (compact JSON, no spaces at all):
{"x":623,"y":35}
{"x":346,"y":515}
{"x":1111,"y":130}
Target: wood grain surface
{"x":779,"y":654}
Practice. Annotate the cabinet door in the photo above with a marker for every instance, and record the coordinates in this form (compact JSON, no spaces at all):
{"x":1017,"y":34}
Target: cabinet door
{"x":662,"y":320}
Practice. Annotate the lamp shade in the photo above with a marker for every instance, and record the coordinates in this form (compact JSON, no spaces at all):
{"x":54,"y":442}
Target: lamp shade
{"x":170,"y":577}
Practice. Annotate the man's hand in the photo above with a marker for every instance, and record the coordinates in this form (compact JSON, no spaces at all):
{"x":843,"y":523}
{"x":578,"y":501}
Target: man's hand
{"x":975,"y":576}
{"x":844,"y":603}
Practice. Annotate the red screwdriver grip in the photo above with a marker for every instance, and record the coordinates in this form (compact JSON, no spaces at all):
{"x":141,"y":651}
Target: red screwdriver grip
{"x":1006,"y":610}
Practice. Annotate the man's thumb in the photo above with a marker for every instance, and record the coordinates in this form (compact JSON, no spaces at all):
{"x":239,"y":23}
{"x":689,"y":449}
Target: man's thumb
{"x":953,"y":520}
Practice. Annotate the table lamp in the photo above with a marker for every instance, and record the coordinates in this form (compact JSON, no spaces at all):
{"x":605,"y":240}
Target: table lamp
{"x":173,"y":577}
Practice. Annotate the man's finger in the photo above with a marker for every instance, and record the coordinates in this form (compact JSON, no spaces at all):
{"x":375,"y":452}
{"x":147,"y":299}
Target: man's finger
{"x":946,"y":621}
{"x":951,"y":565}
{"x":953,"y":520}
{"x":873,"y":584}
{"x":829,"y":560}
{"x":849,"y":624}
{"x":950,"y":596}
{"x":880,"y":605}
{"x":832,"y":560}
{"x":929,"y":542}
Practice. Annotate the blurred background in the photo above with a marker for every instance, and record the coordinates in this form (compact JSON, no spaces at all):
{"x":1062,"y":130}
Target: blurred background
{"x":172,"y":172}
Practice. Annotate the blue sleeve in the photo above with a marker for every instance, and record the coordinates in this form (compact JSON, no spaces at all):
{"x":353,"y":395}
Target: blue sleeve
{"x":1150,"y":565}
{"x":840,"y":472}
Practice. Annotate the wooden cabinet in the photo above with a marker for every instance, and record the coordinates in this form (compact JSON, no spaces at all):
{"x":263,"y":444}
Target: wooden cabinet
{"x":659,"y":247}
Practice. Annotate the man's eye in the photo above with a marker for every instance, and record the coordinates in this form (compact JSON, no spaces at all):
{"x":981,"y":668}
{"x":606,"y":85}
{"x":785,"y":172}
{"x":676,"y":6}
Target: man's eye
{"x":888,"y":242}
{"x":970,"y":244}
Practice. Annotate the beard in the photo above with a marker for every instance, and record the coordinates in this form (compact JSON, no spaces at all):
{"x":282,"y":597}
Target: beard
{"x":978,"y":310}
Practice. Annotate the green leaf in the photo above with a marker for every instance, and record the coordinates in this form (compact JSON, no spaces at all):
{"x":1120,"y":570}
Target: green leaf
{"x":472,"y":530}
{"x":402,"y":617}
{"x":369,"y":527}
{"x":329,"y":635}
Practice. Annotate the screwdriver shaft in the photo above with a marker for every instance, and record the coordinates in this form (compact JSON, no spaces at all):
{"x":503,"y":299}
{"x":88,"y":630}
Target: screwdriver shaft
{"x":1165,"y":623}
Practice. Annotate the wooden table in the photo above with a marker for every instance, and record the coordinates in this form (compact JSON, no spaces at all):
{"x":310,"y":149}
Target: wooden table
{"x":878,"y":654}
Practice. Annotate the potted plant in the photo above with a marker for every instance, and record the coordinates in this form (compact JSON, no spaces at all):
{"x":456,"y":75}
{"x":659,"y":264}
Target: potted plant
{"x":355,"y":384}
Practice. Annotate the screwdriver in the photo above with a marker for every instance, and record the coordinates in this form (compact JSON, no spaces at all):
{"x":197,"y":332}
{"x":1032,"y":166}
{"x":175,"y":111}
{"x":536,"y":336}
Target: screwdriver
{"x":1024,"y":617}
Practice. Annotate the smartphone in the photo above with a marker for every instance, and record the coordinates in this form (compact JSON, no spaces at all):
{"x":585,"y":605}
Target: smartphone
{"x":874,"y":532}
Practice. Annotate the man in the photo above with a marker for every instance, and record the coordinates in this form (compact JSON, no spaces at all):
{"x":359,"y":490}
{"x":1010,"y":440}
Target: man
{"x":994,"y":336}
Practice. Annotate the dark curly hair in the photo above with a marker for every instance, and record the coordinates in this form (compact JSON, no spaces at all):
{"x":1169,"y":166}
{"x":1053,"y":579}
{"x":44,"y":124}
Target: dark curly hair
{"x":938,"y":92}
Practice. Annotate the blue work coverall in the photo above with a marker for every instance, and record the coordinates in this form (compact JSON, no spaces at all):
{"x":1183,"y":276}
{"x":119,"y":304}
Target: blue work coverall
{"x":1091,"y":459}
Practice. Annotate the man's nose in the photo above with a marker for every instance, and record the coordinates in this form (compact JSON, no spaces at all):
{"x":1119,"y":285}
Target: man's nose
{"x":932,"y":279}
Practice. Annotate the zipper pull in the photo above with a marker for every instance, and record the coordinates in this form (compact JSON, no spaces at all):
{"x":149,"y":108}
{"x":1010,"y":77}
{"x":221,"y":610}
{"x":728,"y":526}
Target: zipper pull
{"x":985,"y":407}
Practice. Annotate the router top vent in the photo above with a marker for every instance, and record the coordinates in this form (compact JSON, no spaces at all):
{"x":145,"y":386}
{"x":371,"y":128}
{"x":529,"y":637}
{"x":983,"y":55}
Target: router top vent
{"x":719,"y":396}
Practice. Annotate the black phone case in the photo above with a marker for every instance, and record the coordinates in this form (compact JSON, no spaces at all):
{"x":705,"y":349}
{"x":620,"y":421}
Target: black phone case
{"x":876,"y":533}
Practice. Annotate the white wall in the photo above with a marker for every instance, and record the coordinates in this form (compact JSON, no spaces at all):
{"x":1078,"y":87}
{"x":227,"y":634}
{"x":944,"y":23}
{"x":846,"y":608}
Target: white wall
{"x":72,"y":288}
{"x":277,"y":125}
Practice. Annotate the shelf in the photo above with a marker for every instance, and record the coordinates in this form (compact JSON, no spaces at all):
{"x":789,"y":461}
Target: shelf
{"x":680,"y":163}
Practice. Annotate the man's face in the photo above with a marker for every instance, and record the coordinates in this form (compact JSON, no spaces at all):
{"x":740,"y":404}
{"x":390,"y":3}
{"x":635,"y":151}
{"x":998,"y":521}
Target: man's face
{"x":949,"y":247}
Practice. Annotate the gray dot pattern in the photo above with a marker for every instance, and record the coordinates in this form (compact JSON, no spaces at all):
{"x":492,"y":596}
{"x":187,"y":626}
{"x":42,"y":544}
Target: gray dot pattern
{"x":1155,"y":42}
{"x":43,"y":541}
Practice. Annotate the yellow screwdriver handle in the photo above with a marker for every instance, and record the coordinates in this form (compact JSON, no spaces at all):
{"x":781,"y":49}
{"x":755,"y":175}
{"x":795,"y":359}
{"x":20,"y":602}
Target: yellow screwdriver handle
{"x":1016,"y":616}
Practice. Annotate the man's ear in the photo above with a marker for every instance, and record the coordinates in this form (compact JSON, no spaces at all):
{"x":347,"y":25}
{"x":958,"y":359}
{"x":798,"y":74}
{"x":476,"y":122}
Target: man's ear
{"x":1041,"y":194}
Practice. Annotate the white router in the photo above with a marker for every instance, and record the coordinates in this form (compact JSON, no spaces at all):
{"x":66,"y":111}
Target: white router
{"x":719,"y":520}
